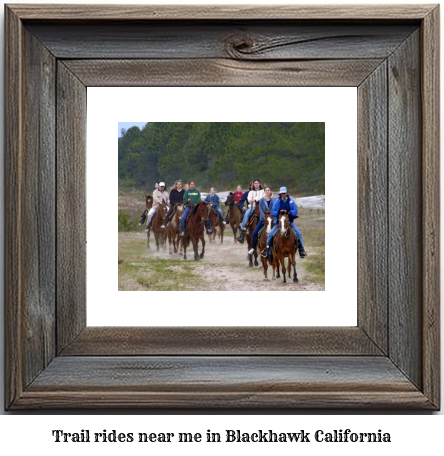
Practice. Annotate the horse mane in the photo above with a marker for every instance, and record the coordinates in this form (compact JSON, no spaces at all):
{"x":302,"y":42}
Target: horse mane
{"x":196,"y":206}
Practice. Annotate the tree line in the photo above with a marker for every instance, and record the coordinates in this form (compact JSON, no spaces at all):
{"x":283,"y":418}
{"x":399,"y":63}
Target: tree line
{"x":224,"y":154}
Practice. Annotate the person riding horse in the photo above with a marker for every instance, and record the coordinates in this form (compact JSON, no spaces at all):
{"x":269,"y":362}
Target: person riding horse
{"x":253,"y":198}
{"x":190,"y":198}
{"x":284,"y":204}
{"x":159,"y":196}
{"x":176,"y":196}
{"x":215,"y":201}
{"x":265,"y":205}
{"x":238,"y":194}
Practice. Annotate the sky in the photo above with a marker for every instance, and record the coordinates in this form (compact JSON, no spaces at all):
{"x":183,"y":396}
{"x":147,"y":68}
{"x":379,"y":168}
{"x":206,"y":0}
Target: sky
{"x":127,"y":125}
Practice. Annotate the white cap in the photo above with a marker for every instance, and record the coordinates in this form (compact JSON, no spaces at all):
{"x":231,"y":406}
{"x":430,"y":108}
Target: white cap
{"x":161,"y":184}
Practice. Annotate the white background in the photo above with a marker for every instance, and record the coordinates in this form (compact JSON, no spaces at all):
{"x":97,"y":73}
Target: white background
{"x":30,"y":434}
{"x":336,"y":306}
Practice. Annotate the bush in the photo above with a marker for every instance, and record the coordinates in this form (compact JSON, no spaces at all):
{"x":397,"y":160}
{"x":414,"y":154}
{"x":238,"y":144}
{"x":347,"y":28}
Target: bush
{"x":125,"y":223}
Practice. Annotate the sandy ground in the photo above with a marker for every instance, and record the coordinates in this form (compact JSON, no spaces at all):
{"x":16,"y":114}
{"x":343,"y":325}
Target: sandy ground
{"x":225,"y":268}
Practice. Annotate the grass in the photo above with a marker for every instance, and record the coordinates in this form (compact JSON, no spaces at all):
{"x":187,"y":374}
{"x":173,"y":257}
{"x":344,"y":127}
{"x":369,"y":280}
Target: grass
{"x":140,"y":271}
{"x":312,"y":226}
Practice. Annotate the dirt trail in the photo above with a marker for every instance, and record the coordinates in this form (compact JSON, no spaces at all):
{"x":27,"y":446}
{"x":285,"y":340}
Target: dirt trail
{"x":225,"y":268}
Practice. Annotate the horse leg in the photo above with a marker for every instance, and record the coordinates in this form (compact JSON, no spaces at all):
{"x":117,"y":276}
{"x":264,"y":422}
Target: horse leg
{"x":284,"y":270}
{"x":295,"y":274}
{"x":250,"y":260}
{"x":234,"y":228}
{"x":170,"y":242}
{"x":184,"y":244}
{"x":148,"y":240}
{"x":203,"y":246}
{"x":256,"y":263}
{"x":195,"y":247}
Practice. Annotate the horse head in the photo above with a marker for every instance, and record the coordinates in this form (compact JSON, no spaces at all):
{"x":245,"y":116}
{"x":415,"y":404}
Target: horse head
{"x":148,"y":201}
{"x":269,"y":222}
{"x":203,"y":210}
{"x":179,"y":208}
{"x":284,"y":222}
{"x":230,"y":199}
{"x":163,"y":211}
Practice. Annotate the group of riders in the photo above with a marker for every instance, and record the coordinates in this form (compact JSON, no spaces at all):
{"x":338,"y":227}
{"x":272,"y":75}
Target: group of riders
{"x":247,"y":202}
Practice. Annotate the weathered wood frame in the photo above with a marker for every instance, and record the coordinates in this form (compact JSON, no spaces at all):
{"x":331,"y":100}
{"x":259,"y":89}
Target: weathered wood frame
{"x":390,"y":360}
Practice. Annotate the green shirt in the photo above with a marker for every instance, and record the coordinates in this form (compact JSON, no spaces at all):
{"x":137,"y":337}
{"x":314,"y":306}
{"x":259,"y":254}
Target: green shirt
{"x":193,"y":195}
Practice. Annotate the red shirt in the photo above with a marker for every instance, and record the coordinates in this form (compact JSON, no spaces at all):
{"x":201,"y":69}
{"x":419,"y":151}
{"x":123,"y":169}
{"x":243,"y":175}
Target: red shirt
{"x":237,"y":196}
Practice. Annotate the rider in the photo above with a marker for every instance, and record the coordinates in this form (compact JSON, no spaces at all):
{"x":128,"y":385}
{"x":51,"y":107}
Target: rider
{"x":214,"y":200}
{"x":253,"y":198}
{"x":265,"y":205}
{"x":192,"y":196}
{"x":238,"y":194}
{"x":284,"y":203}
{"x":159,"y":196}
{"x":176,"y":196}
{"x":244,"y":198}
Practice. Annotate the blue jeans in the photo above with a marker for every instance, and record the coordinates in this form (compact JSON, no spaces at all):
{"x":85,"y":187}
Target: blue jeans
{"x":219,"y":210}
{"x":246,"y":216}
{"x":276,"y":227}
{"x":184,"y":217}
{"x":256,"y":231}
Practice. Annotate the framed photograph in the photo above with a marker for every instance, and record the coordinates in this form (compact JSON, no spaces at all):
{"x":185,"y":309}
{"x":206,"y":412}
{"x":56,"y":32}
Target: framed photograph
{"x":389,"y":359}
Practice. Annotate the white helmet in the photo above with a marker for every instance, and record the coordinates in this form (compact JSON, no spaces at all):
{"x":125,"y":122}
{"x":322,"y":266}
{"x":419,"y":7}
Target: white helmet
{"x":161,"y":184}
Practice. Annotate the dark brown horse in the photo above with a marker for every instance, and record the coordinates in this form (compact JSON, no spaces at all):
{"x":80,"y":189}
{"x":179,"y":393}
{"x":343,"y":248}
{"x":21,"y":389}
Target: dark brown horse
{"x":156,"y":222}
{"x":195,"y":229}
{"x":216,"y":221}
{"x":235,"y":214}
{"x":262,"y":242}
{"x":148,"y":206}
{"x":173,"y":228}
{"x":254,"y":219}
{"x":285,"y":246}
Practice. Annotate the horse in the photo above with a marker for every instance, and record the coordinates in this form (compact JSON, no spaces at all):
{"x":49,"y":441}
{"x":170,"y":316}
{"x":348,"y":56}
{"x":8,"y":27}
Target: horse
{"x":254,"y":219}
{"x":216,"y":221}
{"x":195,"y":230}
{"x":235,"y":214}
{"x":285,"y":246}
{"x":156,"y":223}
{"x":148,"y":206}
{"x":262,"y":242}
{"x":173,"y":227}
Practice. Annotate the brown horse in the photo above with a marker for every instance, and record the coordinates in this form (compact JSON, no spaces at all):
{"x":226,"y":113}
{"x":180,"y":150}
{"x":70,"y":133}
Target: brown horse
{"x":156,"y":223}
{"x":148,"y":206}
{"x":235,"y":215}
{"x":173,"y":228}
{"x":285,"y":246}
{"x":215,"y":221}
{"x":262,"y":242}
{"x":195,"y":230}
{"x":254,"y":219}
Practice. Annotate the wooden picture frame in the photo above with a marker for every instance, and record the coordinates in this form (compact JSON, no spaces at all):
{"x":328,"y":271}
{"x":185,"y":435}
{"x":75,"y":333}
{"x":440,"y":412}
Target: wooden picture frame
{"x":390,"y":360}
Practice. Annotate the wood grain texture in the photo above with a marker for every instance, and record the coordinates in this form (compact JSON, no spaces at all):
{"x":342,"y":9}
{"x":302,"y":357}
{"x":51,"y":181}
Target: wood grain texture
{"x":234,"y":382}
{"x":405,"y":210}
{"x":127,"y":341}
{"x":220,"y":12}
{"x":244,"y":40}
{"x":13,"y":209}
{"x":372,"y":207}
{"x":219,"y":72}
{"x":430,"y":94}
{"x":203,"y":373}
{"x":38,"y":211}
{"x":71,"y":206}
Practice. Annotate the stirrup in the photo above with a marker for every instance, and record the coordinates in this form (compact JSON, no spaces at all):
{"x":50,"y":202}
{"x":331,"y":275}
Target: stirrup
{"x":182,"y":234}
{"x":240,"y":239}
{"x":243,"y":229}
{"x":302,"y":253}
{"x":209,"y":231}
{"x":264,"y":252}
